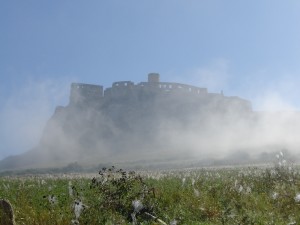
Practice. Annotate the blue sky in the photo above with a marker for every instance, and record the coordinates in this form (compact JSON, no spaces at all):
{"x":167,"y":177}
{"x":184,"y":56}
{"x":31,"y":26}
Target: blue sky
{"x":246,"y":48}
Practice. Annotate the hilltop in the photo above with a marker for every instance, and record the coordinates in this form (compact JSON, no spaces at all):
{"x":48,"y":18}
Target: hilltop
{"x":149,"y":121}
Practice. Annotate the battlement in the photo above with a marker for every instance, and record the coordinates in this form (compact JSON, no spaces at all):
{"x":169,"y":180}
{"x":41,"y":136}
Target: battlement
{"x":120,"y":84}
{"x":176,"y":87}
{"x":126,"y":90}
{"x":81,"y":93}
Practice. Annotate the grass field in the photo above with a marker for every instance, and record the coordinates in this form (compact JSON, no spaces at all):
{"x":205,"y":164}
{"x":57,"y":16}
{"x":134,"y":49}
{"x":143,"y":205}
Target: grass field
{"x":192,"y":196}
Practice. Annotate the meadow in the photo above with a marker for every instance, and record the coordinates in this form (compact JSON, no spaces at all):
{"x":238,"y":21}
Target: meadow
{"x":207,"y":196}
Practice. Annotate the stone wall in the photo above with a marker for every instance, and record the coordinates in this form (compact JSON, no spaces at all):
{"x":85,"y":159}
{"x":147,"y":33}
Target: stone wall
{"x":83,"y":93}
{"x":127,"y":90}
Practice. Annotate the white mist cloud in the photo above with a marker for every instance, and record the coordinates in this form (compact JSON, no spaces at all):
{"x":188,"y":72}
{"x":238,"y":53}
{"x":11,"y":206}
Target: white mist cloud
{"x":214,"y":76}
{"x":278,"y":93}
{"x":24,"y":113}
{"x":267,"y":131}
{"x":273,"y":101}
{"x":165,"y":127}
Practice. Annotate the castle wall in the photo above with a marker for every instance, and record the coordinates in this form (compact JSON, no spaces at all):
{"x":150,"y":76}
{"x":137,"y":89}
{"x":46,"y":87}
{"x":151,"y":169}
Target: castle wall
{"x":174,"y":87}
{"x":119,"y":89}
{"x":81,"y":93}
{"x":123,"y":84}
{"x":128,"y":91}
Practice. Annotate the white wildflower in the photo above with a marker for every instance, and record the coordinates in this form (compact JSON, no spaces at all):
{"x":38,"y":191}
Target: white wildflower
{"x":183,"y":181}
{"x":281,"y":153}
{"x":133,"y":217}
{"x":196,"y":192}
{"x":78,"y":207}
{"x":235,"y":183}
{"x":52,"y":199}
{"x":74,"y":222}
{"x":297,"y":198}
{"x":248,"y":190}
{"x":273,"y":172}
{"x":104,"y":180}
{"x":70,"y":189}
{"x":137,"y":205}
{"x":274,"y":195}
{"x":241,"y":189}
{"x":173,"y":222}
{"x":193,"y":182}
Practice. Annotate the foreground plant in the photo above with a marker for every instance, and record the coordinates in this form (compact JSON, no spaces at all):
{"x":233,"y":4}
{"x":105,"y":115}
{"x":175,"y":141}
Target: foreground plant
{"x":226,"y":196}
{"x":124,"y":193}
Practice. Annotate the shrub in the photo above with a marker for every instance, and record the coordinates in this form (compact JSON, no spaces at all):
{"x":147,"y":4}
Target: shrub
{"x":123,"y":193}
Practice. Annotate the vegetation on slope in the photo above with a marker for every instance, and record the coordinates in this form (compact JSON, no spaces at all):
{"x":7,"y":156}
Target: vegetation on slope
{"x":205,"y":196}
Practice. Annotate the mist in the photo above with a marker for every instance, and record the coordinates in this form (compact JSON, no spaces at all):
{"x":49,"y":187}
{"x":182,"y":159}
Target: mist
{"x":25,"y":111}
{"x":147,"y":127}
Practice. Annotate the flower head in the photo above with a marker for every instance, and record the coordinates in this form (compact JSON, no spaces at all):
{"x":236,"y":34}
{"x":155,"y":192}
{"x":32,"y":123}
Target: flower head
{"x":297,"y":197}
{"x":137,"y":205}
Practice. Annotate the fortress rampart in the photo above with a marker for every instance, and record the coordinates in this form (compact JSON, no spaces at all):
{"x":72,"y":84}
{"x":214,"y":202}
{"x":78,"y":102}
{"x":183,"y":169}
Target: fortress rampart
{"x":85,"y":93}
{"x":93,"y":94}
{"x":167,"y":87}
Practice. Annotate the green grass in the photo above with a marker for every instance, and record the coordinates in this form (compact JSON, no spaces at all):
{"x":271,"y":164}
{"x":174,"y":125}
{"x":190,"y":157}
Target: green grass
{"x":205,"y":196}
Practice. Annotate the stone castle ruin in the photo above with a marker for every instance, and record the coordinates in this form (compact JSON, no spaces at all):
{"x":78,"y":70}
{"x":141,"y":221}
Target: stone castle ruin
{"x":152,"y":121}
{"x":129,"y":121}
{"x":88,"y":94}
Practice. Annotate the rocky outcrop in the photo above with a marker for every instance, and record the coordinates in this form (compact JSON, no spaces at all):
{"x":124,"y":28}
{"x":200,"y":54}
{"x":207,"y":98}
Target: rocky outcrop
{"x":6,"y":213}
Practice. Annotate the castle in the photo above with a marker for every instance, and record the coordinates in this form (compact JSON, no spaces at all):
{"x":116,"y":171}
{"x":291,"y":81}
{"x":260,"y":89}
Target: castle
{"x":89,"y":94}
{"x":136,"y":121}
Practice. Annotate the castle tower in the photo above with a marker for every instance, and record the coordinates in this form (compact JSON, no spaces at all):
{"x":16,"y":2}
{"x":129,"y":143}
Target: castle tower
{"x":153,"y":77}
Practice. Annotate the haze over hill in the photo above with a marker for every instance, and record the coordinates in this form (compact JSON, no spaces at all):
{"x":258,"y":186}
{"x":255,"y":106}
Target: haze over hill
{"x":156,"y":121}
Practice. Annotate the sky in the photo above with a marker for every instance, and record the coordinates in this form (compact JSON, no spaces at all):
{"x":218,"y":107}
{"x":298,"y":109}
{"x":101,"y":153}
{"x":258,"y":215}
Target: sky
{"x":249,"y":49}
